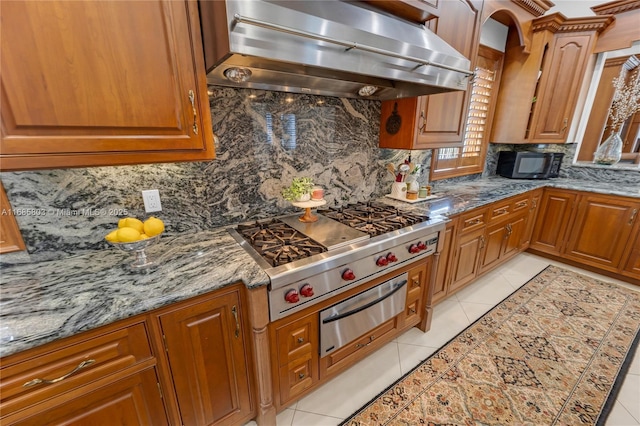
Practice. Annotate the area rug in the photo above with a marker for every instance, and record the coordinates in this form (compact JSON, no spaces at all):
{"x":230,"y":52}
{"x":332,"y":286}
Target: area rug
{"x":553,"y":353}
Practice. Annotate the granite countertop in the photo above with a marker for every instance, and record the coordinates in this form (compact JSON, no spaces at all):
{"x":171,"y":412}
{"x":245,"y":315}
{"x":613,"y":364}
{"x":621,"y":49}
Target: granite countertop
{"x":46,"y":301}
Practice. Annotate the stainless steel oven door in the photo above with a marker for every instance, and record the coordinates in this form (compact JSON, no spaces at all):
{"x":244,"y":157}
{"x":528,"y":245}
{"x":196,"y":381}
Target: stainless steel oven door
{"x":353,"y":317}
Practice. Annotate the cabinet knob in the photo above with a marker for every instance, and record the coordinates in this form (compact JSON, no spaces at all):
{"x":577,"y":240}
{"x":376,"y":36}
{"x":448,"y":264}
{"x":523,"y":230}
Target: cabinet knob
{"x":301,"y":376}
{"x":300,"y":340}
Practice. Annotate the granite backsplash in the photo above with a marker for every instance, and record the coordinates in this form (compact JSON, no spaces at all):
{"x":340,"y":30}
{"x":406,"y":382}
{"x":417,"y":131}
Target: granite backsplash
{"x":263,"y":140}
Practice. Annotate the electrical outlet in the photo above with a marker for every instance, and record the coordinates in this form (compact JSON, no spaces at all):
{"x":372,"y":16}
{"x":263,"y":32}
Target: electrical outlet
{"x":151,"y":200}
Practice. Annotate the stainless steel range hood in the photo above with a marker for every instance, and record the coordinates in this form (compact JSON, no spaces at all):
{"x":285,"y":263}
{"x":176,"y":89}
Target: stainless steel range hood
{"x":328,"y":47}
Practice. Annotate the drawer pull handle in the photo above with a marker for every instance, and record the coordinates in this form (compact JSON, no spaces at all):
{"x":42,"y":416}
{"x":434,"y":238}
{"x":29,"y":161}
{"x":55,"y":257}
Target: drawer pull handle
{"x":521,"y":204}
{"x":192,"y":99}
{"x":234,"y":311}
{"x":633,"y":216}
{"x":83,"y":364}
{"x":412,"y":310}
{"x":473,"y":222}
{"x":301,"y":376}
{"x":501,"y":211}
{"x":371,"y":339}
{"x":482,"y":242}
{"x":300,"y":340}
{"x":415,"y":283}
{"x":424,"y":122}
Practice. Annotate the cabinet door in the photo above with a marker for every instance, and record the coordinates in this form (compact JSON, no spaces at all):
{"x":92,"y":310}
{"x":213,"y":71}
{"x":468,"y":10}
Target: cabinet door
{"x":105,"y":82}
{"x":531,"y":218}
{"x":443,"y":276}
{"x":516,"y":229}
{"x":10,"y":237}
{"x":601,"y":230}
{"x":631,"y":258}
{"x":208,"y":361}
{"x":442,"y":117}
{"x":493,"y":246}
{"x":133,"y":400}
{"x":466,"y":261}
{"x":559,"y":87}
{"x":552,"y":221}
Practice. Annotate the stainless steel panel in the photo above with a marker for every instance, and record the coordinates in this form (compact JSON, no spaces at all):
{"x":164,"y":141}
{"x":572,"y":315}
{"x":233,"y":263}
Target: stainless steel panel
{"x":346,"y":321}
{"x":334,"y":48}
{"x":328,"y":232}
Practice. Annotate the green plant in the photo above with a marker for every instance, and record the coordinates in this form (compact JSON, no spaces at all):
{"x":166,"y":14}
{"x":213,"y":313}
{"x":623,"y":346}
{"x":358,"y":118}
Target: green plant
{"x":298,"y":187}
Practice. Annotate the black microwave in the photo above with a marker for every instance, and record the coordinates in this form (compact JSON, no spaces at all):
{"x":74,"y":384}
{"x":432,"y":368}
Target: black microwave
{"x":529,"y":164}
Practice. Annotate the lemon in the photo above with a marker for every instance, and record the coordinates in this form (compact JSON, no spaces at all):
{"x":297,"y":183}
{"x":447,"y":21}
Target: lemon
{"x":153,"y":226}
{"x":131,"y":222}
{"x":128,"y":234}
{"x":112,"y":236}
{"x":143,"y":236}
{"x":122,"y":222}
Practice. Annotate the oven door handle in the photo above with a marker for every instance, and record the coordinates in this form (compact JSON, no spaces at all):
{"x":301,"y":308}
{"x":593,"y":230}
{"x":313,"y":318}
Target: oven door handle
{"x":363,"y":307}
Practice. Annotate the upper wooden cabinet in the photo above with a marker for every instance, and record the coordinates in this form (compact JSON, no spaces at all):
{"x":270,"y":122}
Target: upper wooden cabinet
{"x":100,"y":83}
{"x":10,"y":237}
{"x":539,"y":90}
{"x":437,"y":121}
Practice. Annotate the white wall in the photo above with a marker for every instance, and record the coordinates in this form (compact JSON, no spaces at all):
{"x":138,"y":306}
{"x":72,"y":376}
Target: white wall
{"x":574,"y":8}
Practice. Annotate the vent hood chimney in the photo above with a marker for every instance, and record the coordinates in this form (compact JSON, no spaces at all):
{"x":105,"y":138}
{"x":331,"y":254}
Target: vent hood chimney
{"x":328,"y":47}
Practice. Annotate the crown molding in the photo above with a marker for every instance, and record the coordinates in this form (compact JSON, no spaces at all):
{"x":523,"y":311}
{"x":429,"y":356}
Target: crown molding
{"x":616,"y":7}
{"x":595,"y":23}
{"x":534,"y":7}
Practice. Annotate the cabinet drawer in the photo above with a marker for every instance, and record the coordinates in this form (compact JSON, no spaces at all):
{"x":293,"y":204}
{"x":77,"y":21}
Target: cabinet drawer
{"x":472,"y":220}
{"x":294,"y":340}
{"x":65,"y":367}
{"x":295,"y":378}
{"x":499,"y":211}
{"x":520,"y":204}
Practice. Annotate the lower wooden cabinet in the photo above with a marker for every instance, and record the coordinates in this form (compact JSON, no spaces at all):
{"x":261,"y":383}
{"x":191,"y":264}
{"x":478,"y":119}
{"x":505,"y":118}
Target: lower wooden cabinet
{"x":443,"y":277}
{"x":552,"y":222}
{"x":593,"y":230}
{"x":204,"y":346}
{"x":103,"y":377}
{"x":185,"y":364}
{"x":466,"y":261}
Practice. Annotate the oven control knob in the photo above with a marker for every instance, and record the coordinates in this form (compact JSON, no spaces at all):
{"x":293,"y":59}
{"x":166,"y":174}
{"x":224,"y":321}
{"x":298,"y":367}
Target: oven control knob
{"x":306,"y":290}
{"x":414,"y":248}
{"x":348,"y":275}
{"x":382,"y":261}
{"x":391,"y":258}
{"x":292,"y":296}
{"x":421,"y":245}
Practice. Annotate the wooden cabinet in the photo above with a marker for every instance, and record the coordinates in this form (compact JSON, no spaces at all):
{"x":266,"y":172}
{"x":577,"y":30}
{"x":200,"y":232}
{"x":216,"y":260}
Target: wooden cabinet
{"x":505,"y":233}
{"x":552,"y":222}
{"x":101,"y":83}
{"x":600,"y":232}
{"x":601,"y":229}
{"x":416,"y":296}
{"x":205,"y":349}
{"x":10,"y":237}
{"x":101,"y":377}
{"x":470,"y":241}
{"x":540,"y":88}
{"x":630,"y":265}
{"x":534,"y":206}
{"x":443,"y":276}
{"x":437,"y":121}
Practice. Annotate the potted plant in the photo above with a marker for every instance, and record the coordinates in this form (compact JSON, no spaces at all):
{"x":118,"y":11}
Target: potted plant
{"x":299,"y":190}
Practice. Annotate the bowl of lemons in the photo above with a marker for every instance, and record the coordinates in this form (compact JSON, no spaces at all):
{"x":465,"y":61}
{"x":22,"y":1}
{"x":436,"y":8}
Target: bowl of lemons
{"x":134,"y":235}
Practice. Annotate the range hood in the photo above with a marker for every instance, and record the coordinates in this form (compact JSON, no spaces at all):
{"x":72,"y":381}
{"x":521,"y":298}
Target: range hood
{"x":328,"y":47}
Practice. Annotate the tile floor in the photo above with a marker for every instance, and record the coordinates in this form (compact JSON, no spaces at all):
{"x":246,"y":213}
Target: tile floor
{"x":340,"y":397}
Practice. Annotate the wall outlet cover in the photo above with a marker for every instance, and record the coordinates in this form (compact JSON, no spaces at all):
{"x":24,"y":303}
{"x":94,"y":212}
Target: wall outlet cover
{"x":151,"y":198}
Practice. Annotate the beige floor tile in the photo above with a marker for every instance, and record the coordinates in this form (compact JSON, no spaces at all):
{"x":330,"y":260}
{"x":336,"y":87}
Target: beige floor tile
{"x":412,"y":355}
{"x":285,"y":417}
{"x":449,"y":319}
{"x":303,"y":418}
{"x":491,"y":288}
{"x":629,"y":396}
{"x":619,"y":416}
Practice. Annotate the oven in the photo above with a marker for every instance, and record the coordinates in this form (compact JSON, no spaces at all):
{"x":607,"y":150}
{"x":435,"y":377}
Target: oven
{"x":351,"y":318}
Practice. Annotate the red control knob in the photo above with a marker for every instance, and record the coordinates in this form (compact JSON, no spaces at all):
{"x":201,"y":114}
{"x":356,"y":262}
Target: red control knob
{"x":391,"y":258}
{"x":306,"y":290}
{"x":348,"y":275}
{"x":421,"y":245}
{"x":414,"y":248}
{"x":382,"y":261}
{"x":292,"y":296}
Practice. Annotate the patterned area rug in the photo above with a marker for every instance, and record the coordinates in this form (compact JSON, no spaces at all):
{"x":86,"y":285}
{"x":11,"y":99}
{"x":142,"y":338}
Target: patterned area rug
{"x":553,"y":353}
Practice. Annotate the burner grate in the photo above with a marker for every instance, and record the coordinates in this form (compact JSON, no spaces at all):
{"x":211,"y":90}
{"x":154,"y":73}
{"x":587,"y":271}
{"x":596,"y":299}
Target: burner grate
{"x":278,"y":243}
{"x":373,"y":218}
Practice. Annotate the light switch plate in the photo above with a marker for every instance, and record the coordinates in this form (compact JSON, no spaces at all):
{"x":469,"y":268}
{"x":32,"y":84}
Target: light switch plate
{"x":151,"y":198}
